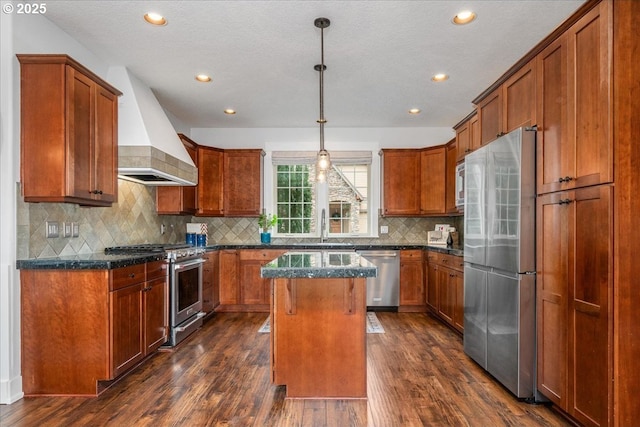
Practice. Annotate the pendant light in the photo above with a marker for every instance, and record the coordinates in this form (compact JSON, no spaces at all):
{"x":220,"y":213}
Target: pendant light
{"x":324,"y":160}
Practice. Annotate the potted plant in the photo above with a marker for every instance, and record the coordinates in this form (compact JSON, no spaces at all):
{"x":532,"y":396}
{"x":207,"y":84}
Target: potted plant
{"x":265,"y":222}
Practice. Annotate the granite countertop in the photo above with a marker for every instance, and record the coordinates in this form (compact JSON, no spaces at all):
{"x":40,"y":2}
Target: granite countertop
{"x":94,"y":261}
{"x":101,"y":261}
{"x":319,"y":264}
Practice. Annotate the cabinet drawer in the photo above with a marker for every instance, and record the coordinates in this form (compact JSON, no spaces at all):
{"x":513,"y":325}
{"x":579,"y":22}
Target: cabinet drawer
{"x":123,"y":277}
{"x":411,"y":255}
{"x":433,"y":257}
{"x":156,"y":269}
{"x":260,"y":255}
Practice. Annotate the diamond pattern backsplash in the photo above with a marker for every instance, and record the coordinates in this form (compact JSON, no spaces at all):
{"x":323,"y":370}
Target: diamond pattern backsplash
{"x":133,"y":220}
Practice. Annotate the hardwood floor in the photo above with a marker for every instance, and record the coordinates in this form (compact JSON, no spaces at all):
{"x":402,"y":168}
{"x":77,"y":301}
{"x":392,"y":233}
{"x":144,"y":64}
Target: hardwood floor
{"x":418,"y":375}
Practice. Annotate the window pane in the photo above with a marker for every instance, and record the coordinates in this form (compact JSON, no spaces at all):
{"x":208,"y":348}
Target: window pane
{"x":348,"y":194}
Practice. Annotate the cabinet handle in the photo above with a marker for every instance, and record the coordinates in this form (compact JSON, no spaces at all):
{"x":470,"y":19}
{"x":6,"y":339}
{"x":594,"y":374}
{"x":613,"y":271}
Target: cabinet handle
{"x":565,"y":202}
{"x":499,"y":134}
{"x":565,"y":179}
{"x":132,"y":275}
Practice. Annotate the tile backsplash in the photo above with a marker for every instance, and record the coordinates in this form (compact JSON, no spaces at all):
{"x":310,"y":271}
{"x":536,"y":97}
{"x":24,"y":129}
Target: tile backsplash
{"x":133,"y":220}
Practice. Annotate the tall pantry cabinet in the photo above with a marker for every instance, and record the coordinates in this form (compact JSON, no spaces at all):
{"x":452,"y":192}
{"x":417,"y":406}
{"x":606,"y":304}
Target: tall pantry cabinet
{"x":575,"y":219}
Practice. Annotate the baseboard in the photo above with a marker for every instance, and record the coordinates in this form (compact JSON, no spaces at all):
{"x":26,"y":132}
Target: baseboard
{"x":11,"y":390}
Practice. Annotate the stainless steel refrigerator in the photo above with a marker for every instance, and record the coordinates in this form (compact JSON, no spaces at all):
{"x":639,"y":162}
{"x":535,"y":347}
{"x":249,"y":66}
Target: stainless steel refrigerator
{"x":499,"y":260}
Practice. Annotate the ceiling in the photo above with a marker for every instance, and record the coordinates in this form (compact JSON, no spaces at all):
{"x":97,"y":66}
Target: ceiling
{"x":380,"y":56}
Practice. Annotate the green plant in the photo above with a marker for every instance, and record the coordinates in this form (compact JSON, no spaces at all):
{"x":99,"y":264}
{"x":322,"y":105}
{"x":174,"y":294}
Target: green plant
{"x":266,"y":221}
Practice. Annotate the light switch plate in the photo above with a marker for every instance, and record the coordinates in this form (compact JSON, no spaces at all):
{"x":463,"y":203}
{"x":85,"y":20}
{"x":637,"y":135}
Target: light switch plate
{"x":52,"y":229}
{"x":75,"y":229}
{"x":66,"y":229}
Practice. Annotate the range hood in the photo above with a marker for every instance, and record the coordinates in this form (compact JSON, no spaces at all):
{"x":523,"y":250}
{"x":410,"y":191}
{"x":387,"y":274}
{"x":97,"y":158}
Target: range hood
{"x":149,"y":149}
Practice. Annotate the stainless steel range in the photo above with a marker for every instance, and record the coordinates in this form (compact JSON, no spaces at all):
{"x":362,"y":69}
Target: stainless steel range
{"x":185,"y":285}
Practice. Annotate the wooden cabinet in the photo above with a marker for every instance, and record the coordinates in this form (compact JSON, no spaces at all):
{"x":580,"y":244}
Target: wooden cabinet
{"x":228,"y":274}
{"x":510,"y":106}
{"x":243,"y":171}
{"x":433,"y":180}
{"x":411,"y":281}
{"x":254,"y":290}
{"x":69,"y":132}
{"x":575,"y":144}
{"x":210,"y":182}
{"x":210,"y":281}
{"x":179,"y":200}
{"x":463,"y":139}
{"x":401,"y":182}
{"x":474,"y":133}
{"x":413,"y":181}
{"x":445,"y":288}
{"x":87,"y":326}
{"x":450,"y":177}
{"x":574,"y":290}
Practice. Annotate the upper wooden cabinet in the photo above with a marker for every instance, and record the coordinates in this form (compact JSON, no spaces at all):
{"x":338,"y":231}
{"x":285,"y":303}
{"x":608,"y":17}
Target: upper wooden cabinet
{"x":450,"y":177}
{"x":69,"y":132}
{"x":210,"y":182}
{"x":243,"y":171}
{"x":433,"y":179}
{"x":511,"y":105}
{"x":401,"y":182}
{"x":575,"y":146}
{"x":179,"y":200}
{"x":463,"y":139}
{"x":413,"y":182}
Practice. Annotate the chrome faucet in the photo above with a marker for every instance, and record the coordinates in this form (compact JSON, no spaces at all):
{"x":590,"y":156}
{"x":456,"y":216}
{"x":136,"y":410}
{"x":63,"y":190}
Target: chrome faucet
{"x":323,"y":225}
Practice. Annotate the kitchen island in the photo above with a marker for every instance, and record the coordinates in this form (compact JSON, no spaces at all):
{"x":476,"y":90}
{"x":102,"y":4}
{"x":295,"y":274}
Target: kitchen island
{"x":318,"y":323}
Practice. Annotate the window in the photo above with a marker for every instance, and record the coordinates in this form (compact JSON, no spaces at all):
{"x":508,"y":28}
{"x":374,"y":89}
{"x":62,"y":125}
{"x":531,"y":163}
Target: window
{"x":300,"y":200}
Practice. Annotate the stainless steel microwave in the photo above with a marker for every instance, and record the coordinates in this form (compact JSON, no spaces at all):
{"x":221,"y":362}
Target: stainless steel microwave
{"x":460,"y":185}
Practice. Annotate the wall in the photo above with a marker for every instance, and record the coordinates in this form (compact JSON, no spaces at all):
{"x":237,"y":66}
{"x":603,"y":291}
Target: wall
{"x":130,"y":221}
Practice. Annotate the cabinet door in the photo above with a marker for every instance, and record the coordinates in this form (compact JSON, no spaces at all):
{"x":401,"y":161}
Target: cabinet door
{"x":450,"y":177}
{"x":432,"y":286}
{"x":210,"y":292}
{"x":179,"y":200}
{"x":433,"y":180}
{"x":519,"y":98}
{"x":401,"y":182}
{"x":463,"y":141}
{"x":446,"y":294}
{"x":458,"y":308}
{"x":80,"y":123}
{"x":243,"y":171}
{"x":210,"y":182}
{"x":229,"y":292}
{"x":411,"y":278}
{"x":474,"y":133}
{"x":589,"y":129}
{"x":156,"y":321}
{"x":105,"y":148}
{"x":552,"y":134}
{"x":252,"y":286}
{"x":490,"y":116}
{"x":552,"y":290}
{"x":590,"y":292}
{"x":127,"y":326}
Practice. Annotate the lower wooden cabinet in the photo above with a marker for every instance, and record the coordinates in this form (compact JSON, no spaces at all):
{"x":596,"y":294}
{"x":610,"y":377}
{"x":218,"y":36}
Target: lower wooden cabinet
{"x":574,"y":294}
{"x":210,"y":281}
{"x":88,"y":326}
{"x":445,"y":288}
{"x":241,"y":287}
{"x":411,"y":281}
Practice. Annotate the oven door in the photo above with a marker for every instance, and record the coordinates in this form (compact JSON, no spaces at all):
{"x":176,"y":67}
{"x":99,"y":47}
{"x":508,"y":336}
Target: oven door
{"x":186,"y":290}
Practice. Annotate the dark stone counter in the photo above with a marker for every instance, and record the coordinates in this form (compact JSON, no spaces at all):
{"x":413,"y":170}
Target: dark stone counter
{"x":94,"y":261}
{"x":319,"y":264}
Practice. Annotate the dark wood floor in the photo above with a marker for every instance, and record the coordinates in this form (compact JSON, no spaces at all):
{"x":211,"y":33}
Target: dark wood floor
{"x":418,"y":375}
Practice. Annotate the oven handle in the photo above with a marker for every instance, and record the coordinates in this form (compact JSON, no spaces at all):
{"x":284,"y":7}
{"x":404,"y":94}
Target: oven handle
{"x":182,"y":265}
{"x":197,"y":317}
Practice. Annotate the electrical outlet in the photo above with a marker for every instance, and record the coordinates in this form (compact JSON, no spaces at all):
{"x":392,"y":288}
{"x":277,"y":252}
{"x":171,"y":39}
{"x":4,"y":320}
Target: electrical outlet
{"x":52,"y":229}
{"x":75,"y":229}
{"x":66,"y":229}
{"x":384,"y":229}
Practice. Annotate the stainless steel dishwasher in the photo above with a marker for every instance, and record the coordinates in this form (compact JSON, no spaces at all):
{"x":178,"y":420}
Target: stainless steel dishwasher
{"x":383,"y":291}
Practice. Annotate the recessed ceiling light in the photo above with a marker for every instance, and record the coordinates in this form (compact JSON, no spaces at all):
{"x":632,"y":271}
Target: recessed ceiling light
{"x":155,"y":18}
{"x":203,"y":78}
{"x":440,"y":77}
{"x":414,"y":111}
{"x":464,"y":17}
{"x":230,"y":111}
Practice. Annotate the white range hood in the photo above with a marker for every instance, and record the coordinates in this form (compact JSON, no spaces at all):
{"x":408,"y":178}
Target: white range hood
{"x":149,"y":149}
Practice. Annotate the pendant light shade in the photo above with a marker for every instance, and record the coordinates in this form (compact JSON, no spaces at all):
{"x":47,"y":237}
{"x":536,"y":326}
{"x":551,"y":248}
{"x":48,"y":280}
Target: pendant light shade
{"x":324,"y":160}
